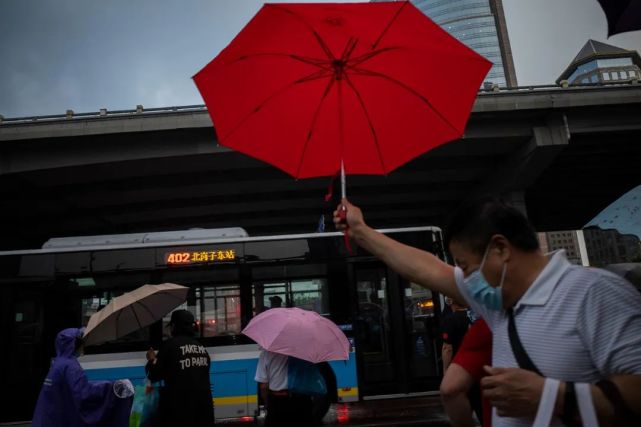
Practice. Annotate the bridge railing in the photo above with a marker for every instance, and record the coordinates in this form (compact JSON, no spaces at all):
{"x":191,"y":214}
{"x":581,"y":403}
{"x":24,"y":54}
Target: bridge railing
{"x":488,"y":90}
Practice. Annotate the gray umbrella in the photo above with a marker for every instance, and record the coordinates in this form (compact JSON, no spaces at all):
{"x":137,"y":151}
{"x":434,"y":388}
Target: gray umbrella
{"x":132,"y":311}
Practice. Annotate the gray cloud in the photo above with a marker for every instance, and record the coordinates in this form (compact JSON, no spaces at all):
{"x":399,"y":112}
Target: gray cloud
{"x":87,"y":54}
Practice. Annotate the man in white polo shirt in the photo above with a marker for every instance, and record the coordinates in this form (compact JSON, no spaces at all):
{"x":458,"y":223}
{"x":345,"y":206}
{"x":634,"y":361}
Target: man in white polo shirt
{"x":570,"y":326}
{"x":284,"y":408}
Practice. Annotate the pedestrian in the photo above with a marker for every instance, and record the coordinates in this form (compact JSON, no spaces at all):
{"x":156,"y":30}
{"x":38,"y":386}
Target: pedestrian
{"x":454,"y":325}
{"x":460,"y":391}
{"x":460,"y":387}
{"x":69,"y":399}
{"x":183,"y":364}
{"x":275,"y":302}
{"x":284,"y":408}
{"x":577,"y":327}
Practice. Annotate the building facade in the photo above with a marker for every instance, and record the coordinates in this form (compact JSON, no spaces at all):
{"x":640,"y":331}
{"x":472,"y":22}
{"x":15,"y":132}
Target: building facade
{"x":593,"y":246}
{"x":610,"y":247}
{"x":480,"y":25}
{"x":571,"y":240}
{"x":599,"y":63}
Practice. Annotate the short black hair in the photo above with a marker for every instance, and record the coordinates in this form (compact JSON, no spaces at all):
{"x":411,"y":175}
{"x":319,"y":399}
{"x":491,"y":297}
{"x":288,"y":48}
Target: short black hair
{"x":476,"y":221}
{"x":183,"y":322}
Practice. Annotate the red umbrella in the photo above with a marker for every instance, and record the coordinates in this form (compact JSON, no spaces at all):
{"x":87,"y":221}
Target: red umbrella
{"x":362,"y":87}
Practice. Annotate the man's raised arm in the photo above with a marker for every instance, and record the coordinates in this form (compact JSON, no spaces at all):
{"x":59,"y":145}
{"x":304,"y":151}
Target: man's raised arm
{"x":416,"y":265}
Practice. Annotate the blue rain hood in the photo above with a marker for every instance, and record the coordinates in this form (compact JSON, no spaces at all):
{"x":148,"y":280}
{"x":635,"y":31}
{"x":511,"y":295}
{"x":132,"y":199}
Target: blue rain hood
{"x":66,"y":342}
{"x":68,"y":399}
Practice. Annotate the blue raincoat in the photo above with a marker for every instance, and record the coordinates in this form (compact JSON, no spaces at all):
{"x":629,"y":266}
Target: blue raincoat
{"x":68,"y":399}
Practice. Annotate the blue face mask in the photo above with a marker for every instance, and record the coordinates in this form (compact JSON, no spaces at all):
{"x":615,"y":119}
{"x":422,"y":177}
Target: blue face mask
{"x":481,"y":291}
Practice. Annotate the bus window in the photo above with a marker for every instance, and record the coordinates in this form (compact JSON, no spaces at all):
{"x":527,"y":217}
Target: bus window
{"x":215,"y":308}
{"x":264,"y":296}
{"x":221,"y":315}
{"x":310,"y":294}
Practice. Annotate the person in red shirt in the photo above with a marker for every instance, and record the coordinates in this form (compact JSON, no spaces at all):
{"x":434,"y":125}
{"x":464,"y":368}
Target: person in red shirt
{"x":461,"y":381}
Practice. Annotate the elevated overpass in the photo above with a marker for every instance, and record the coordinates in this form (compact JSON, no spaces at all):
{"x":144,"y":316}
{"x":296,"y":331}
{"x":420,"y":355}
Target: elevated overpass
{"x":561,"y":154}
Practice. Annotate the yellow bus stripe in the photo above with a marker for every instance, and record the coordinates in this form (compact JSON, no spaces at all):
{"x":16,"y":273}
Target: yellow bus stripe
{"x":235,"y":400}
{"x":353,"y":391}
{"x":240,"y":400}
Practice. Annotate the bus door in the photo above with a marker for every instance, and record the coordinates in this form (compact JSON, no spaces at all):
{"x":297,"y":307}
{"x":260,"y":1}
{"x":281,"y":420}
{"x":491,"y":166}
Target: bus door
{"x":422,"y":338}
{"x":26,"y":367}
{"x":395,"y":334}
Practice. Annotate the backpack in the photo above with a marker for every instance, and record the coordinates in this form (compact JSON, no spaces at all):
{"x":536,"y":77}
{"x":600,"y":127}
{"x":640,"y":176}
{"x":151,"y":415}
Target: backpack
{"x":304,"y":377}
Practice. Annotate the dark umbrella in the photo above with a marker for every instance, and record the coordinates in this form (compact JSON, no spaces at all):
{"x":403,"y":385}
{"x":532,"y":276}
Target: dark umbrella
{"x":622,"y":15}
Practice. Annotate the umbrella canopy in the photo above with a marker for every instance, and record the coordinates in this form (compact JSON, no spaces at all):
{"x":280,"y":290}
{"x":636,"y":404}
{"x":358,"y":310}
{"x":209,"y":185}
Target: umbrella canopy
{"x":622,"y":15}
{"x":299,"y":333}
{"x":309,"y":88}
{"x":132,"y":311}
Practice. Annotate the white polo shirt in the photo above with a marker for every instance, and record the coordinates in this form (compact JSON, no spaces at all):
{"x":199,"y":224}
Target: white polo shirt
{"x":272,"y":369}
{"x":576,"y":324}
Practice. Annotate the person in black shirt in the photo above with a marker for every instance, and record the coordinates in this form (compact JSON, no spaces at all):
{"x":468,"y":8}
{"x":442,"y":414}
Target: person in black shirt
{"x":453,"y":327}
{"x":183,"y":364}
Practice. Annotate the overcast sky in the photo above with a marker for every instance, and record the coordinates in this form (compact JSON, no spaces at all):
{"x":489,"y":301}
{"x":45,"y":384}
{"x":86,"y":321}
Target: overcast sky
{"x":87,"y":54}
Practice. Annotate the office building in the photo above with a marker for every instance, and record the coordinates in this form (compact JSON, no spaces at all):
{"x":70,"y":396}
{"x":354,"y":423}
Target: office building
{"x":571,"y":240}
{"x":479,"y":24}
{"x":610,"y":247}
{"x":602,"y":63}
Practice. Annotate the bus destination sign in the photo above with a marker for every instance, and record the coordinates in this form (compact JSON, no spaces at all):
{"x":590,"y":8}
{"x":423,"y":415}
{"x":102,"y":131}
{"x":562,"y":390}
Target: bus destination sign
{"x":199,"y":257}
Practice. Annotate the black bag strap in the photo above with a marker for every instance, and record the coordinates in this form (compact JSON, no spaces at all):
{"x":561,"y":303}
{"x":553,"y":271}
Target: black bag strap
{"x":520,"y":354}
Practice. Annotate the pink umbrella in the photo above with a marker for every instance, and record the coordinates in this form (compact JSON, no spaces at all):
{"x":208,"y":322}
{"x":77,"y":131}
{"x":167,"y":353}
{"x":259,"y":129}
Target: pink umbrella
{"x":299,"y":333}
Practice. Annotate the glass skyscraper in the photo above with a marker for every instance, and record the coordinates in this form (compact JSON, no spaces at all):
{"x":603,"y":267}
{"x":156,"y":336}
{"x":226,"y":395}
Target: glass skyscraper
{"x":479,"y":24}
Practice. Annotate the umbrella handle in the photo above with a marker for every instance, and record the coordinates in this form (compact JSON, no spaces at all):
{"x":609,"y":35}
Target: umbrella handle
{"x":342,"y":214}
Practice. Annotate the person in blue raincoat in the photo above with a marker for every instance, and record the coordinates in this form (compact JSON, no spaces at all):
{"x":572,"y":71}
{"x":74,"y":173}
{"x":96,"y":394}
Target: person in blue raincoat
{"x":68,"y":399}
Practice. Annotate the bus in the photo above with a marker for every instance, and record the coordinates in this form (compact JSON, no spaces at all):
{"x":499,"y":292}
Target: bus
{"x":391,"y":324}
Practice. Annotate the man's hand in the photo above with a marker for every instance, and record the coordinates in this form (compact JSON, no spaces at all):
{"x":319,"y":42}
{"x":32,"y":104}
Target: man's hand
{"x":514,"y":392}
{"x":348,"y":217}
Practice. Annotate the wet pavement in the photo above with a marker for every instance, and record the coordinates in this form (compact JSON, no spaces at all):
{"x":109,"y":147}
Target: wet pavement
{"x":414,"y":411}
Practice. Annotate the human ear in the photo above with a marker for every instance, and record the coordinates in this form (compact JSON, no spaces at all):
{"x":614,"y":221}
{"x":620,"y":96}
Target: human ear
{"x":502,"y":246}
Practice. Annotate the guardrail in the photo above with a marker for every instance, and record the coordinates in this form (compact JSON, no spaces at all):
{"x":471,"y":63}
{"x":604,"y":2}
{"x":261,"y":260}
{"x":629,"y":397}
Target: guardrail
{"x":139,"y":111}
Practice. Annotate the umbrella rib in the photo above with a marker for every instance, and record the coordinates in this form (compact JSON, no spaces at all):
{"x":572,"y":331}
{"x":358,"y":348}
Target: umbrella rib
{"x":118,"y":321}
{"x":364,"y":57}
{"x":398,"y":12}
{"x":353,"y":62}
{"x":151,"y":313}
{"x":369,"y":120}
{"x":364,"y":72}
{"x":349,"y":48}
{"x":320,"y":74}
{"x":136,"y":316}
{"x":320,"y":63}
{"x":307,"y":25}
{"x":143,"y":305}
{"x":313,"y":124}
